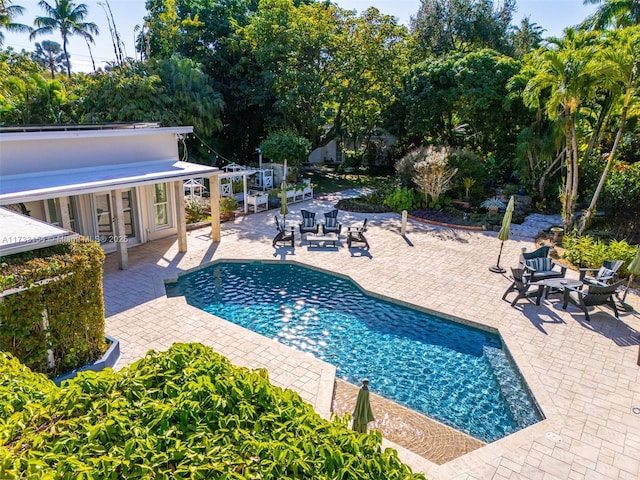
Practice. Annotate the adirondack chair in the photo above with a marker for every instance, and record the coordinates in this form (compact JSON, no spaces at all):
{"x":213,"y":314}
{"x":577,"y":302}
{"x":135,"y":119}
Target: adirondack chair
{"x":591,"y":296}
{"x":356,"y":235}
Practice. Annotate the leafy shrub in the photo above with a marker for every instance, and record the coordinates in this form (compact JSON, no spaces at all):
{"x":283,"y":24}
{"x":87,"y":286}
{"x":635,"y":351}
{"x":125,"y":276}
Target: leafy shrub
{"x":621,"y":199}
{"x":228,"y":205}
{"x":65,"y":282}
{"x":585,"y":252}
{"x":402,"y":199}
{"x":185,"y":413}
{"x":469,"y":165}
{"x":196,"y":210}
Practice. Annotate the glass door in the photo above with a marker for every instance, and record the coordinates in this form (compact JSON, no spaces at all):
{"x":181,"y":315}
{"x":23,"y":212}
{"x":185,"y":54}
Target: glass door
{"x":104,"y":218}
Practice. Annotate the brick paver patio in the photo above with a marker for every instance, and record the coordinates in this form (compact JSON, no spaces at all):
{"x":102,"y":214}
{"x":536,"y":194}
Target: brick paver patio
{"x":584,"y":376}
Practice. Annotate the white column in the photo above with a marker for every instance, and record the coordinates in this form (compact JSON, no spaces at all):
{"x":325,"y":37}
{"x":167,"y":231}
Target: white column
{"x":214,"y":197}
{"x":119,"y":232}
{"x":65,"y":219}
{"x":245,"y":191}
{"x":181,"y":222}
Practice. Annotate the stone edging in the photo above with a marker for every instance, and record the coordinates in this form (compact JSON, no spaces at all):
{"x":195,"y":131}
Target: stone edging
{"x":109,"y":359}
{"x":448,"y":225}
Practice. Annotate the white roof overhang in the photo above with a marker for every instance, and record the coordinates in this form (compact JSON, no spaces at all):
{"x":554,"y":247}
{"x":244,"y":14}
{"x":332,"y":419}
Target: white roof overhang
{"x":21,"y":233}
{"x":62,"y":183}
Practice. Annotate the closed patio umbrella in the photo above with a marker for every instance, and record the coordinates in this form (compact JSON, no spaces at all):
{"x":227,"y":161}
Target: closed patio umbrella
{"x":503,"y":234}
{"x":634,"y":270}
{"x":362,"y":414}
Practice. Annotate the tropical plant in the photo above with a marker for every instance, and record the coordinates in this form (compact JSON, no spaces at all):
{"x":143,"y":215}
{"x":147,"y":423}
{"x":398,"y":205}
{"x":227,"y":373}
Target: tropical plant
{"x":68,"y":18}
{"x":468,"y":182}
{"x":7,"y":14}
{"x":433,"y":174}
{"x":493,"y":204}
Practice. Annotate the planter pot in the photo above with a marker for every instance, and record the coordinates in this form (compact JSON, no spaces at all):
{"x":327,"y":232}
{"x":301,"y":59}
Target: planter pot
{"x":108,"y":360}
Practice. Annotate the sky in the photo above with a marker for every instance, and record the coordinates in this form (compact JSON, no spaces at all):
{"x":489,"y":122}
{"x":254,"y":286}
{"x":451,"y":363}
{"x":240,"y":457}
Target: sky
{"x":552,"y":15}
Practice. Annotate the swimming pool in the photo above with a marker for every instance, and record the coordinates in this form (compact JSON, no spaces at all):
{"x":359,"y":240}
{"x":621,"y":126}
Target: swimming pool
{"x":456,"y":374}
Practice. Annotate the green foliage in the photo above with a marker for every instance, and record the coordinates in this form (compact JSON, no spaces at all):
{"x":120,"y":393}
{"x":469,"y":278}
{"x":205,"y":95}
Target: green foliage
{"x":66,"y":282}
{"x":469,"y":166}
{"x":184,"y":413}
{"x":286,"y":145}
{"x":402,"y":199}
{"x":585,"y":252}
{"x":462,"y":101}
{"x":441,"y":26}
{"x":228,"y":205}
{"x":621,"y":199}
{"x":196,"y":210}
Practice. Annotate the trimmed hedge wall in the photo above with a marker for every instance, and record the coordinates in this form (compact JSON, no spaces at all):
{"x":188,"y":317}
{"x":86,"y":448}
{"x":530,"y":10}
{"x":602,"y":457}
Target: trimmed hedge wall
{"x":184,"y":413}
{"x":66,"y":282}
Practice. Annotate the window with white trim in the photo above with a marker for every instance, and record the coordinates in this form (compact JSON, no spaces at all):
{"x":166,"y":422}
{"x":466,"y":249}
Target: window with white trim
{"x":161,"y":205}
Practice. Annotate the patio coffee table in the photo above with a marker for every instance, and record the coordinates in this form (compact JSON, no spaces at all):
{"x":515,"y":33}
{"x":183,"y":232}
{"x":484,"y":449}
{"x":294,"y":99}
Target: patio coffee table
{"x":555,"y":285}
{"x":326,"y":239}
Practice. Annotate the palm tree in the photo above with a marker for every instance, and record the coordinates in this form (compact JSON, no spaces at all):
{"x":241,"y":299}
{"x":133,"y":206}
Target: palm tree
{"x":67,"y":17}
{"x":525,"y":37}
{"x":566,"y":76}
{"x":48,"y":54}
{"x":614,"y":13}
{"x":622,"y":60}
{"x":7,"y":13}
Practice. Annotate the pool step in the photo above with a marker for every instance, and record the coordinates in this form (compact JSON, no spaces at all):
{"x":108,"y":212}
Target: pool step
{"x":512,"y":387}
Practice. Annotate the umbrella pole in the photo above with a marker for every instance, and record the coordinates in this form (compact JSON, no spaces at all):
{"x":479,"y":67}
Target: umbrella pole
{"x":497,"y":268}
{"x":626,"y":306}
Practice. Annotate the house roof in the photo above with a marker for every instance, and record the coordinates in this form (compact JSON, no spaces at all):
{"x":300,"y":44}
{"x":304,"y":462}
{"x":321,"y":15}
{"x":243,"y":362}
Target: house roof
{"x":21,"y":233}
{"x":43,"y":185}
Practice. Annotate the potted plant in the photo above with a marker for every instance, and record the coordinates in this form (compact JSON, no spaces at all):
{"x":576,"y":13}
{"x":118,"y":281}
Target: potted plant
{"x":228,"y":206}
{"x":493,"y":205}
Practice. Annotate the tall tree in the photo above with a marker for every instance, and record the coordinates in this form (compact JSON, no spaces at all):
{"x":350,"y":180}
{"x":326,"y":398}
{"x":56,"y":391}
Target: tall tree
{"x":444,"y":25}
{"x":566,"y":76}
{"x":525,"y":37}
{"x":7,"y":14}
{"x":622,"y":60}
{"x":613,"y":14}
{"x":68,"y":18}
{"x":48,"y":54}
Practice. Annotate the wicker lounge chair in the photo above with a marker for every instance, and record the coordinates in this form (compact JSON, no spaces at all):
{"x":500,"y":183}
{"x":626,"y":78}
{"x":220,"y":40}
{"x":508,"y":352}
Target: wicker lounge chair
{"x":308,"y":224}
{"x":591,"y":296}
{"x":522,"y":285}
{"x":356,"y":235}
{"x":331,"y":224}
{"x":283,"y":234}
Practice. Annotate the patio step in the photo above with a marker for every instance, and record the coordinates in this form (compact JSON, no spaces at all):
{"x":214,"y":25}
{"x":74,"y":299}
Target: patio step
{"x":512,"y":387}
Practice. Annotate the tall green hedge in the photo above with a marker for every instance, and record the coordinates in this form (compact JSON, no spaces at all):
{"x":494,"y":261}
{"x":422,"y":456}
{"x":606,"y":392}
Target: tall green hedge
{"x":66,"y":282}
{"x":184,"y":413}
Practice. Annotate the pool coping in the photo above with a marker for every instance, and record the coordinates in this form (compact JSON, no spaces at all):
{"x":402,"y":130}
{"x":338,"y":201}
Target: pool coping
{"x":550,"y":421}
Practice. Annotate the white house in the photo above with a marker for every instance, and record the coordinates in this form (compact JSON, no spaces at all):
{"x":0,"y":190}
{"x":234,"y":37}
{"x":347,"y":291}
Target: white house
{"x":121,"y":185}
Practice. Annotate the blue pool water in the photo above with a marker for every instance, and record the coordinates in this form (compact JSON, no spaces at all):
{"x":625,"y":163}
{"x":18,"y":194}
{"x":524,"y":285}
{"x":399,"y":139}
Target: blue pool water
{"x":453,"y":373}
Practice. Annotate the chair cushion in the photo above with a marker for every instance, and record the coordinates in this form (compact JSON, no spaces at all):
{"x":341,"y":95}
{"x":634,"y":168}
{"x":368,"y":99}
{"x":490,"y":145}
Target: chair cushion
{"x":331,"y":222}
{"x":605,"y":274}
{"x":540,"y":264}
{"x":308,"y":222}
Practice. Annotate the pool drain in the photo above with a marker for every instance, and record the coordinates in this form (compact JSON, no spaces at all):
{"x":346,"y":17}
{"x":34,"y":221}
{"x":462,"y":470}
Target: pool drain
{"x":636,"y":410}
